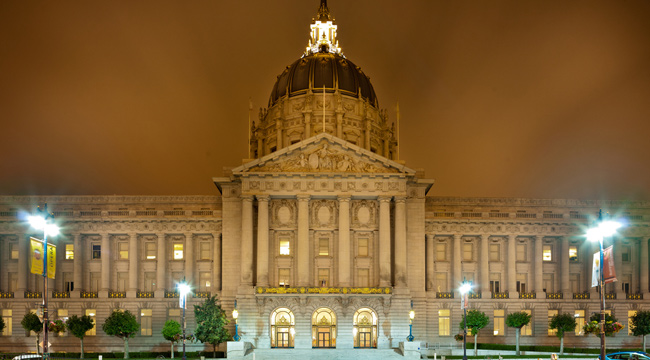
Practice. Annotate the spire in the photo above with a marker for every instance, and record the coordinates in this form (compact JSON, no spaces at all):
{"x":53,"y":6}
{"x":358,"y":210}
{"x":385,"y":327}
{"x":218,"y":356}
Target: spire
{"x":323,"y":33}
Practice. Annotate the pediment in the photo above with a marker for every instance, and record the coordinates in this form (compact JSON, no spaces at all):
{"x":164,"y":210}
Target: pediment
{"x":324,"y":153}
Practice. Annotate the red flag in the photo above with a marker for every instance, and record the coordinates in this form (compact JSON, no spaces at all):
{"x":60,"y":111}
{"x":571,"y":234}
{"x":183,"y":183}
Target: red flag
{"x":608,"y":265}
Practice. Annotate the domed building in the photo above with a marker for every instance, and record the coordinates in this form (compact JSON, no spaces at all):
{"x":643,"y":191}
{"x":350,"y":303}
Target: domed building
{"x":325,"y":244}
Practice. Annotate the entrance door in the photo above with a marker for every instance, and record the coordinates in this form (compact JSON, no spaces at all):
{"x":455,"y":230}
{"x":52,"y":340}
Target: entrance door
{"x":282,"y":338}
{"x":365,"y":339}
{"x":324,"y":338}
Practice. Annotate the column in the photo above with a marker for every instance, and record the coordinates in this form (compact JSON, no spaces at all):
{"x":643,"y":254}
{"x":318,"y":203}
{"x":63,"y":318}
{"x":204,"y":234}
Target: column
{"x":385,"y":277}
{"x":618,"y":264}
{"x":303,"y":240}
{"x":247,"y":240}
{"x":161,"y":265}
{"x":307,"y":133}
{"x":512,"y":266}
{"x":77,"y":265}
{"x":539,"y":269}
{"x":262,"y":240}
{"x":431,"y":263}
{"x":344,"y":241}
{"x":339,"y":123}
{"x":457,"y":266}
{"x":133,"y":265}
{"x":105,"y":282}
{"x":23,"y":256}
{"x":400,"y":242}
{"x":485,"y":266}
{"x":366,"y":136}
{"x":189,"y":258}
{"x":644,"y":269}
{"x":565,"y":284}
{"x":278,"y":140}
{"x":216,"y":263}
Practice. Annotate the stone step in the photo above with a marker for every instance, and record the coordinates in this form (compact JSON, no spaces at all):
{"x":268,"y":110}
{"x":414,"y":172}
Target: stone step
{"x":324,"y":354}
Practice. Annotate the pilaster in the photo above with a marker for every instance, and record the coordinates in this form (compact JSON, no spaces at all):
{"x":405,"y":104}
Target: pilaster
{"x":400,"y":242}
{"x":344,"y":241}
{"x":263,"y":240}
{"x":303,"y":240}
{"x":247,"y":241}
{"x":384,"y":242}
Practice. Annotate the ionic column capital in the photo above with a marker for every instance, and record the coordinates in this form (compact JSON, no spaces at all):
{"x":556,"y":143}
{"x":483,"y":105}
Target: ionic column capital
{"x":303,"y":197}
{"x":263,"y":197}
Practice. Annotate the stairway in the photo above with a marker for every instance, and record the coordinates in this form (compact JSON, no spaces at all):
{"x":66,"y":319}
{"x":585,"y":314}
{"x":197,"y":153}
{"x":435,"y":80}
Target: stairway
{"x":324,"y":354}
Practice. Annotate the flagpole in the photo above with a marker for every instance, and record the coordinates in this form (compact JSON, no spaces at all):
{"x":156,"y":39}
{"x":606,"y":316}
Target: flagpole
{"x":397,"y":135}
{"x":250,"y":129}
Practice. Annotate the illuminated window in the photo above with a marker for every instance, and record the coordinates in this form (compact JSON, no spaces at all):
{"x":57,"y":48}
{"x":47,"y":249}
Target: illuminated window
{"x":444,"y":327}
{"x":630,"y":315}
{"x":96,"y":251}
{"x":547,"y":254}
{"x":495,"y":252}
{"x":467,"y":251}
{"x":123,"y":250}
{"x":499,"y":322}
{"x":528,"y":329}
{"x":69,"y":251}
{"x":178,"y":251}
{"x":145,"y":322}
{"x":284,"y":277}
{"x":205,"y":278}
{"x":323,"y":277}
{"x":284,"y":247}
{"x":204,"y":250}
{"x":573,"y":253}
{"x":92,"y":313}
{"x":364,"y":277}
{"x":13,"y":250}
{"x":282,"y":328}
{"x":150,"y":250}
{"x":579,"y":315}
{"x":551,"y":313}
{"x":522,"y":252}
{"x":323,"y":247}
{"x":441,"y":252}
{"x":7,"y":317}
{"x":363,"y":247}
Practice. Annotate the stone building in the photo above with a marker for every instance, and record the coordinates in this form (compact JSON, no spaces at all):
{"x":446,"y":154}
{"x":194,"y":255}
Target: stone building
{"x":324,"y":239}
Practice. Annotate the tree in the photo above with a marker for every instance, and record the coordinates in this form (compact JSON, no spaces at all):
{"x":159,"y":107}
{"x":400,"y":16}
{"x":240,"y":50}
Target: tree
{"x":31,"y":322}
{"x":121,"y":324}
{"x":172,"y":332}
{"x":562,"y":323}
{"x":639,"y":324}
{"x":476,"y":320}
{"x":78,"y":326}
{"x":612,"y":326}
{"x":210,"y":323}
{"x":2,"y":324}
{"x":518,"y":320}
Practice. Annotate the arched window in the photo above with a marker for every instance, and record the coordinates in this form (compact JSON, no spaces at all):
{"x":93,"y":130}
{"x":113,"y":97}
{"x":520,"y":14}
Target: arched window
{"x":365,"y":328}
{"x":323,"y":328}
{"x":282,"y":328}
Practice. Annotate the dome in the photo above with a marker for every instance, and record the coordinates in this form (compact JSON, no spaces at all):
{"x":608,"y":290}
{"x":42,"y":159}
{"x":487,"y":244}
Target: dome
{"x":315,"y":70}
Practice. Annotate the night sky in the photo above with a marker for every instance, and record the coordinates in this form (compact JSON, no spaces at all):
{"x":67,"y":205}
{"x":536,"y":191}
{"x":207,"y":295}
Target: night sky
{"x":540,"y":99}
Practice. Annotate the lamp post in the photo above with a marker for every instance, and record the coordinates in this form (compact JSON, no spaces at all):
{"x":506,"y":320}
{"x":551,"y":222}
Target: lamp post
{"x":464,"y":291}
{"x":598,"y":233}
{"x":43,"y":221}
{"x":184,"y":289}
{"x":411,"y":317}
{"x":235,"y":315}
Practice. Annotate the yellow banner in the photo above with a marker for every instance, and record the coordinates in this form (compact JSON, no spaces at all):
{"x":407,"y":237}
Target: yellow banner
{"x":37,"y":257}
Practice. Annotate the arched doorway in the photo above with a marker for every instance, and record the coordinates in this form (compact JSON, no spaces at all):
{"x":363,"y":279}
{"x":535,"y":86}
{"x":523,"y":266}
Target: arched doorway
{"x":282,"y":328}
{"x":365,"y":328}
{"x":323,"y":328}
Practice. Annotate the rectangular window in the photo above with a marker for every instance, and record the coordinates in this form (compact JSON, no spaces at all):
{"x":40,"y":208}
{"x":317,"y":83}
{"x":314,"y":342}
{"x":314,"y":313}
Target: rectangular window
{"x":522,"y":252}
{"x":94,"y":281}
{"x":495,"y":282}
{"x":149,"y":281}
{"x":68,"y":281}
{"x":12,"y":279}
{"x":625,"y":283}
{"x":92,"y":313}
{"x":441,"y":282}
{"x":285,"y":247}
{"x":467,"y":251}
{"x":62,"y":314}
{"x":205,"y":281}
{"x":323,"y":247}
{"x":123,"y":250}
{"x":174,"y":314}
{"x":444,"y":322}
{"x":150,"y":250}
{"x":547,"y":254}
{"x":573,"y":253}
{"x":441,"y":252}
{"x":364,"y":277}
{"x":528,"y":329}
{"x":574,"y":281}
{"x":499,"y":322}
{"x":626,"y":253}
{"x":7,"y":317}
{"x":323,"y":277}
{"x":145,"y":322}
{"x":522,"y":279}
{"x":97,"y":251}
{"x":122,"y":281}
{"x":579,"y":315}
{"x":69,"y":251}
{"x":284,"y":277}
{"x":548,"y":283}
{"x":177,"y":277}
{"x":494,"y":252}
{"x":630,"y":315}
{"x":205,"y":251}
{"x":178,"y":251}
{"x":551,"y":313}
{"x":13,"y":250}
{"x":363,"y":247}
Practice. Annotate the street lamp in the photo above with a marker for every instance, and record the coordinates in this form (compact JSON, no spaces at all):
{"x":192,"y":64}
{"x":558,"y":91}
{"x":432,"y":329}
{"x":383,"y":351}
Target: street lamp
{"x":604,"y":228}
{"x":465,"y":288}
{"x":235,"y":315}
{"x":43,"y":221}
{"x":184,"y":289}
{"x":411,"y":317}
